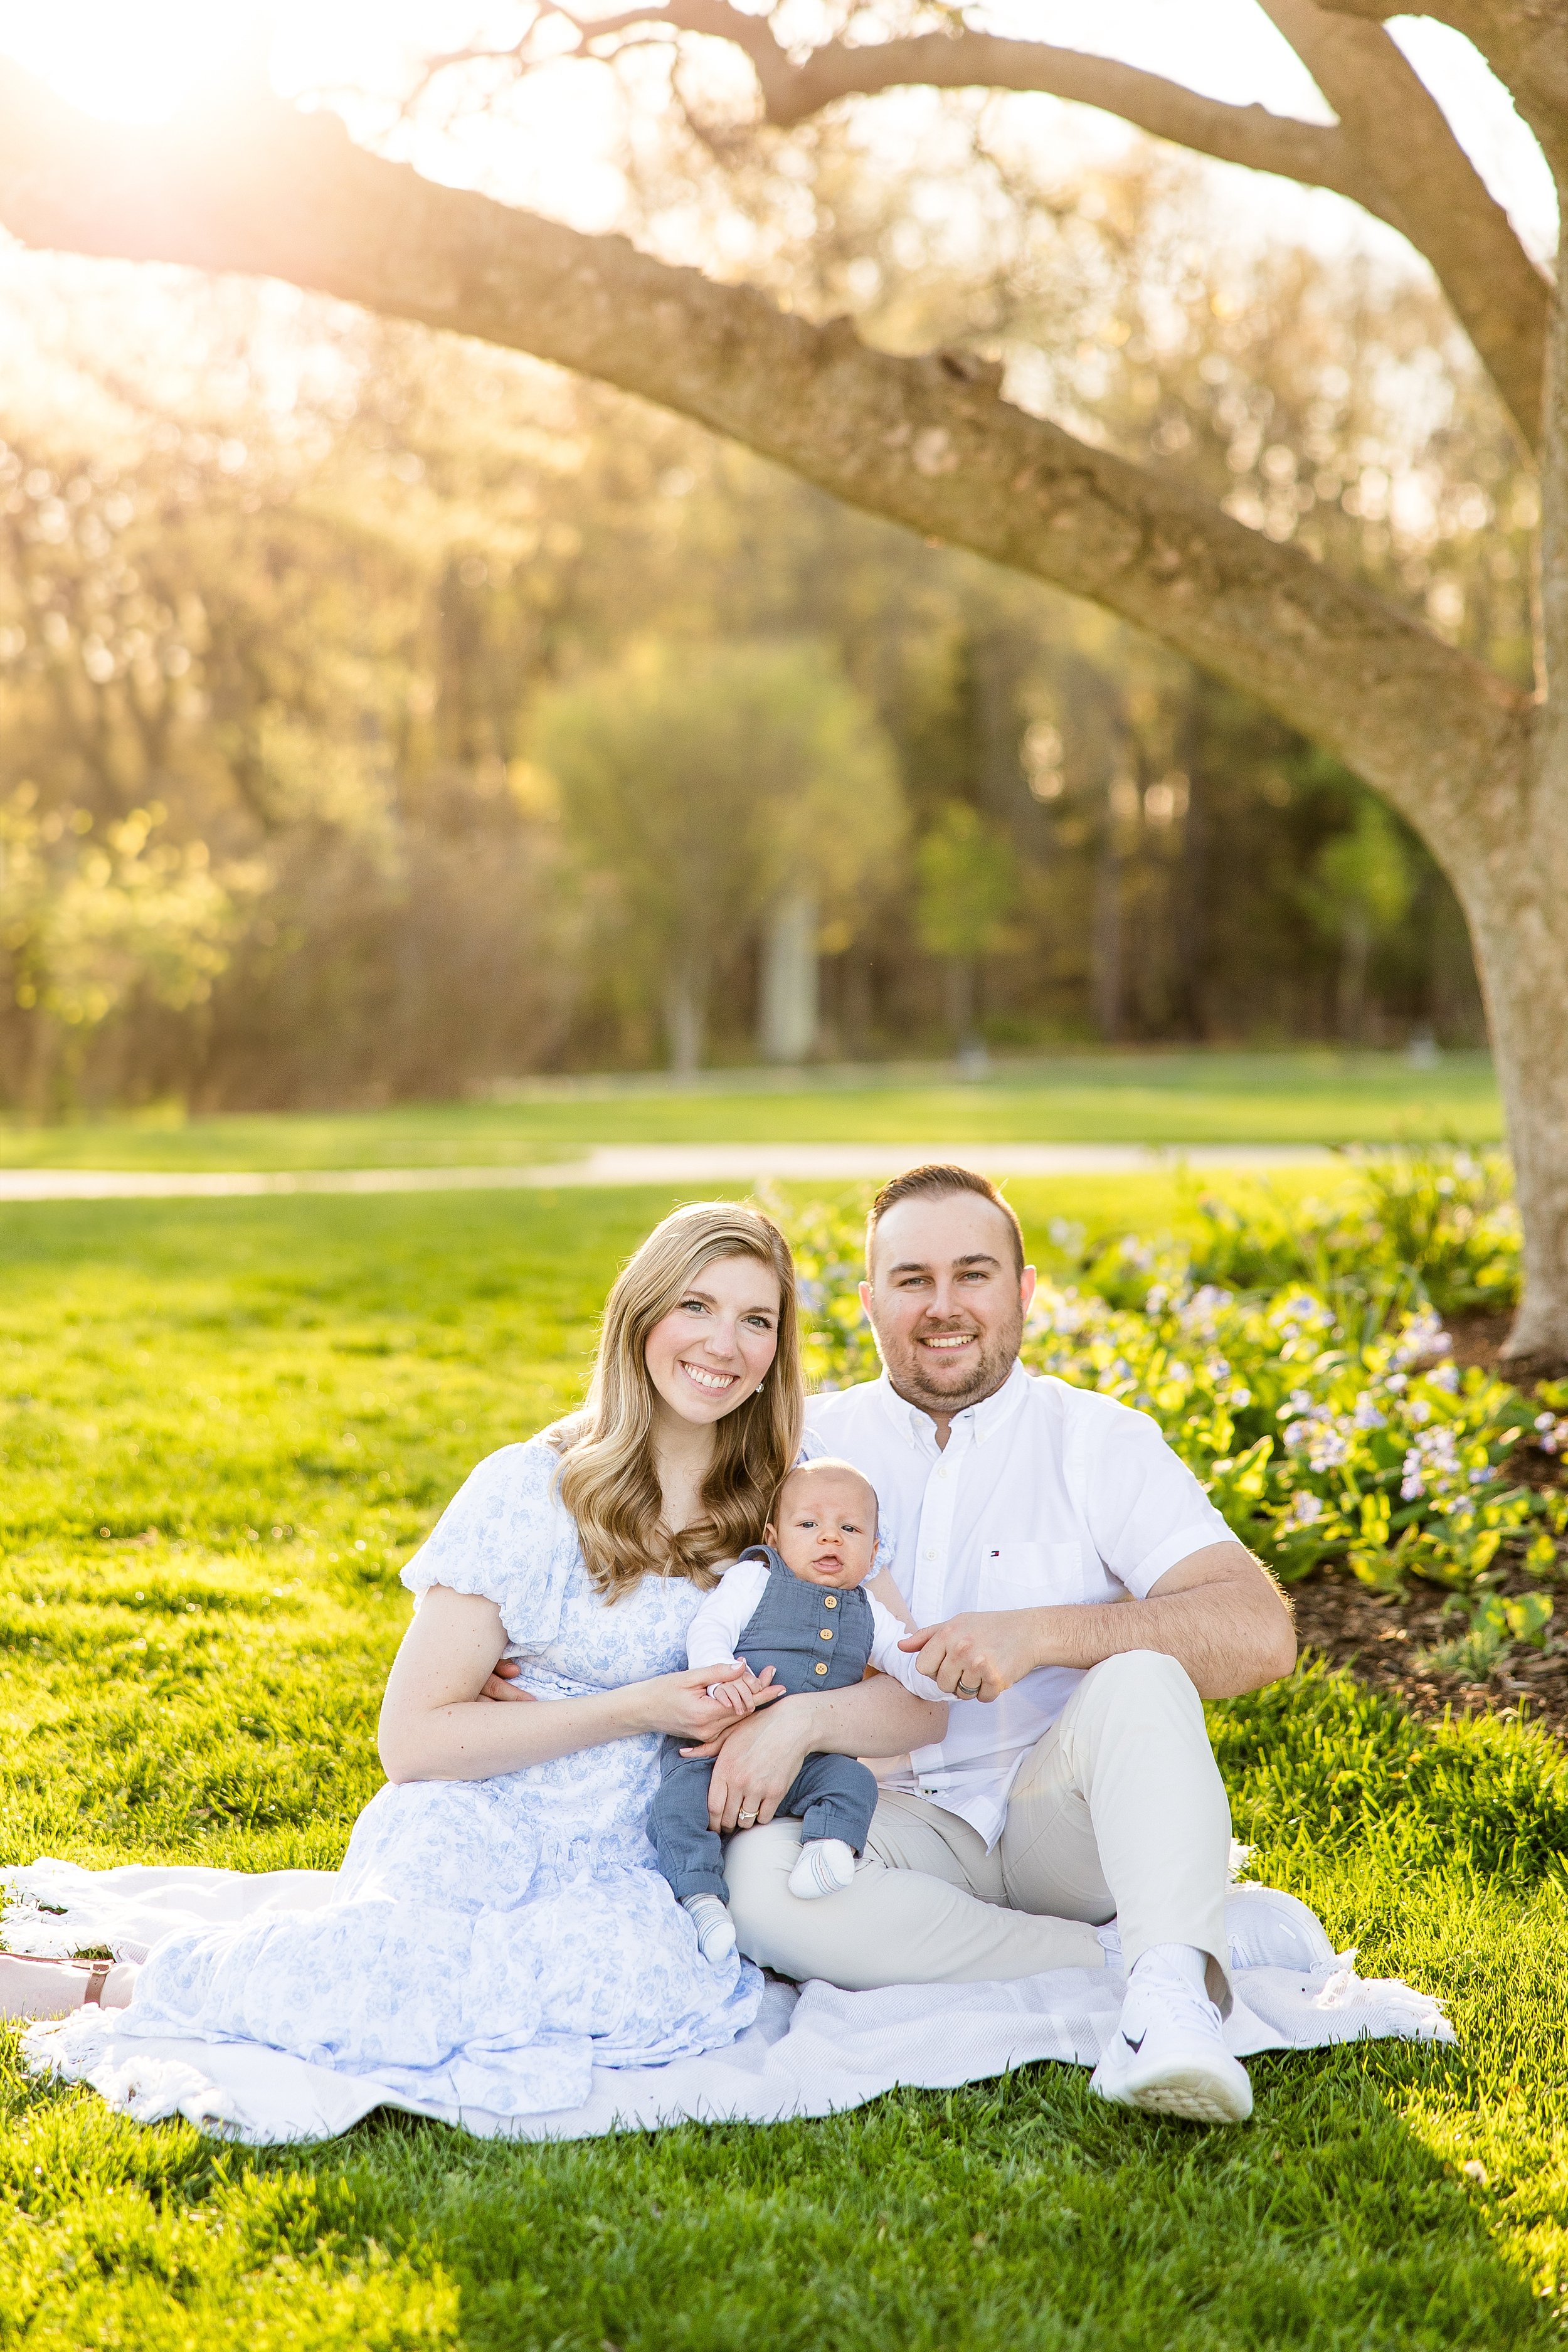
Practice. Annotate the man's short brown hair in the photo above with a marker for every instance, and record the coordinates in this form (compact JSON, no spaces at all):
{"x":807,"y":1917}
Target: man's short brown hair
{"x":935,"y":1182}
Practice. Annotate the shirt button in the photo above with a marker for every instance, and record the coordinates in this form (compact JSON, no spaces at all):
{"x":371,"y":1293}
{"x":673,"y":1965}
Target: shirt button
{"x":830,"y":1600}
{"x":822,"y":1667}
{"x":827,"y":1633}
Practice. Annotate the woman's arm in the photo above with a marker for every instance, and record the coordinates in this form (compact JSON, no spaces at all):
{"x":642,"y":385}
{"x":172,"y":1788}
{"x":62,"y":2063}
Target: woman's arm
{"x":435,"y":1726}
{"x":755,"y":1764}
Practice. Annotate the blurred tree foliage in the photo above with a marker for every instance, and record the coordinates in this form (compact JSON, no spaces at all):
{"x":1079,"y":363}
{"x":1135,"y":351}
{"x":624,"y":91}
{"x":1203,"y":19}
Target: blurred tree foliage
{"x":381,"y":716}
{"x":708,"y":784}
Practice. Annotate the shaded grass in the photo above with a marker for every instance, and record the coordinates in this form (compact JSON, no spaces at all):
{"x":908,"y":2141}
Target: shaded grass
{"x":1309,"y":1096}
{"x":192,"y":1378}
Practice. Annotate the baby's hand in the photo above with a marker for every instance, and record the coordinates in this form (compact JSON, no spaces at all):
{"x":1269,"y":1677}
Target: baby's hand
{"x":747,"y":1692}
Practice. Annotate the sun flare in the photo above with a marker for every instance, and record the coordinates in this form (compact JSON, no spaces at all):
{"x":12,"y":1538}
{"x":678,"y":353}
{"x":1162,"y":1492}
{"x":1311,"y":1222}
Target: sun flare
{"x":130,"y":64}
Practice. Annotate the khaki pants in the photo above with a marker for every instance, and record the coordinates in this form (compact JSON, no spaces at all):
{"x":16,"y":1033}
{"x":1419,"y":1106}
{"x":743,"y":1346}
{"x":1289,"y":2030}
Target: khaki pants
{"x":1118,"y":1813}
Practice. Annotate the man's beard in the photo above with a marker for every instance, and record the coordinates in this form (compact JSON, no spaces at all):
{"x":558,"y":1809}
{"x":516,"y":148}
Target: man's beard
{"x":998,"y":1354}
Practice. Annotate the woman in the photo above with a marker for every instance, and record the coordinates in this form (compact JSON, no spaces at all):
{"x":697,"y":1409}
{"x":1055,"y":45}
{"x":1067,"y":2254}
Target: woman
{"x":499,"y":1926}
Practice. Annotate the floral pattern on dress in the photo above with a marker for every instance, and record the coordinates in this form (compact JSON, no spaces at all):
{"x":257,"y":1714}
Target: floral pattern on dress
{"x":495,"y":1939}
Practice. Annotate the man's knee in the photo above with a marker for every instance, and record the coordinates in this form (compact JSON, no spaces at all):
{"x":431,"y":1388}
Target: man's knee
{"x":1137,"y":1677}
{"x":1138,"y":1691}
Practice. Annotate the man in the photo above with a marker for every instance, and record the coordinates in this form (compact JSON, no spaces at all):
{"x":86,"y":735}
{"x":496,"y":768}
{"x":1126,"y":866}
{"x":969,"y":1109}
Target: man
{"x":1073,"y":1587}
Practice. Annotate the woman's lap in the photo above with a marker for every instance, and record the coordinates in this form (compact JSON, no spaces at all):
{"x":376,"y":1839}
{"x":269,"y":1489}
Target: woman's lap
{"x":468,"y":1944}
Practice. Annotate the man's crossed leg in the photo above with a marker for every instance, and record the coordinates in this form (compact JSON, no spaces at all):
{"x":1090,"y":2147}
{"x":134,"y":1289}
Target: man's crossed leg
{"x":1119,"y":1813}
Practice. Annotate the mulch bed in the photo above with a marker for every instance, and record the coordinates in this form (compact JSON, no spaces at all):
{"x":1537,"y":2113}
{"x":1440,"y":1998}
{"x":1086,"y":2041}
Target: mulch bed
{"x":1380,"y":1639}
{"x":1380,"y":1636}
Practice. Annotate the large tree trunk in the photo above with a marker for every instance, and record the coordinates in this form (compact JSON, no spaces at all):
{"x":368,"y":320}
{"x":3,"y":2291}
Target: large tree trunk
{"x":1522,"y":957}
{"x":1521,"y":933}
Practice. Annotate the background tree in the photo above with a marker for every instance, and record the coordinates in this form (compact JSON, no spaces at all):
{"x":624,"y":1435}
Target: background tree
{"x":968,"y":888}
{"x":1360,"y":894}
{"x":90,"y":917}
{"x":376,"y":577}
{"x":1478,"y":764}
{"x":714,"y":786}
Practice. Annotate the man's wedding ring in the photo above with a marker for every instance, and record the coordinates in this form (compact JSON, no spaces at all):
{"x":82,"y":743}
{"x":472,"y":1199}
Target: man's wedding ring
{"x":962,"y":1693}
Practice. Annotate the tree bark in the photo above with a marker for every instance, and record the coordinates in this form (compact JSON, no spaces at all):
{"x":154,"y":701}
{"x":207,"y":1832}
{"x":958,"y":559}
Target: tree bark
{"x":1517,"y":906}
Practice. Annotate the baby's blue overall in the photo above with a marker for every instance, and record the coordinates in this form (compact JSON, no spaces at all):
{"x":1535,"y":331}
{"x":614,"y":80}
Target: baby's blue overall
{"x":815,"y":1638}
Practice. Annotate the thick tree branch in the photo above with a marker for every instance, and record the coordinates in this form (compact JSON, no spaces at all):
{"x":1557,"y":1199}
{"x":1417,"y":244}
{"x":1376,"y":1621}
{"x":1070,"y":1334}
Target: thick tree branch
{"x":1314,"y":152}
{"x":1436,"y":194}
{"x":1392,"y":151}
{"x":928,"y":443}
{"x":1525,"y":42}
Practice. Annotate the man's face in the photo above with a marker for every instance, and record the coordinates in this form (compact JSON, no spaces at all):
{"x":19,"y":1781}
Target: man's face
{"x":945,"y":1300}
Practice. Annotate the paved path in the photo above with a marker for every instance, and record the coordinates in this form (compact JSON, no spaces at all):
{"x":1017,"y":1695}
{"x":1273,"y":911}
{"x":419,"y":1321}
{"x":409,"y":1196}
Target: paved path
{"x":661,"y":1164}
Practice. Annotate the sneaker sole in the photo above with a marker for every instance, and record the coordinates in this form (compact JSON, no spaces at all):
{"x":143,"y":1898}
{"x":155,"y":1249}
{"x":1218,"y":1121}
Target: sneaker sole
{"x":1195,"y":2095}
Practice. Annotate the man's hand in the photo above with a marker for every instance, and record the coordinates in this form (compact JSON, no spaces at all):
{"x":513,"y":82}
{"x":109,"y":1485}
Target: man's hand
{"x":503,"y":1683}
{"x":980,"y":1653}
{"x":1216,"y":1613}
{"x":755,"y":1763}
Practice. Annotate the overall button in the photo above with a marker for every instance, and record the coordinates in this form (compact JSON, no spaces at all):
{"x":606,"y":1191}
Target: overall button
{"x":822,"y":1669}
{"x":830,"y":1600}
{"x":826,"y":1632}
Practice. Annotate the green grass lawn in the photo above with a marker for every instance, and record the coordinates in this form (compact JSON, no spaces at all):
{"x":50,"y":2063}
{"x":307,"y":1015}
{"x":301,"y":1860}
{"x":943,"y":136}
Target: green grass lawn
{"x":221,"y":1427}
{"x":1308,"y":1097}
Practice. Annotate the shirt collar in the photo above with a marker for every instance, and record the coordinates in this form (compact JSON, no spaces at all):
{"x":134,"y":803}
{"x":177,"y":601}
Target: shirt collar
{"x":981,"y":1420}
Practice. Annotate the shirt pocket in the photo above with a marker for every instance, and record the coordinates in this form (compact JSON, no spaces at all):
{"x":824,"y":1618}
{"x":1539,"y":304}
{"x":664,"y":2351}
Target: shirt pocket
{"x":1031,"y":1575}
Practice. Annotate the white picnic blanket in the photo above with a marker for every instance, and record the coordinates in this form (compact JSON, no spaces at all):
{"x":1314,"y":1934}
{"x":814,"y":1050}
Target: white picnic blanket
{"x":812,"y":2052}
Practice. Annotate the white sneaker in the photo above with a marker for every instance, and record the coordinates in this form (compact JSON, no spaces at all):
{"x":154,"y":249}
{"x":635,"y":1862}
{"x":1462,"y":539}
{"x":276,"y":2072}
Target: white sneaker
{"x":1268,"y":1928}
{"x":1168,"y":2055}
{"x":1265,"y":1928}
{"x":825,"y":1866}
{"x":715,"y":1929}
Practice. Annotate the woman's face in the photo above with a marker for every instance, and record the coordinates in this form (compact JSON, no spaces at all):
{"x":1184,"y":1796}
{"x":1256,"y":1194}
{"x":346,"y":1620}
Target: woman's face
{"x":712,"y":1350}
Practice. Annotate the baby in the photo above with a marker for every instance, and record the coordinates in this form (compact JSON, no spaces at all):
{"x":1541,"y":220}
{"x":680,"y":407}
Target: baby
{"x":793,"y":1603}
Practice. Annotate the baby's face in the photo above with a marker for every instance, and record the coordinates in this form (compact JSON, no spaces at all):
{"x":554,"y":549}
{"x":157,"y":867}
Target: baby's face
{"x":827,"y":1530}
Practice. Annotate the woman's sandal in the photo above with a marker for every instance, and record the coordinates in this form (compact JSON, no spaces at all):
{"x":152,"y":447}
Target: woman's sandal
{"x":97,"y":1970}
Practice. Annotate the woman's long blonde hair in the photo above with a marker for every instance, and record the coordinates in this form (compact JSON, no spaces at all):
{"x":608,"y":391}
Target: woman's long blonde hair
{"x":609,"y":1481}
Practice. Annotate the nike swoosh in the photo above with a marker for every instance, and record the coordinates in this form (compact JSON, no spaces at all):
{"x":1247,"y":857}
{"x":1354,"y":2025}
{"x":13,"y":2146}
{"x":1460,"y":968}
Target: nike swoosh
{"x":1136,"y":2046}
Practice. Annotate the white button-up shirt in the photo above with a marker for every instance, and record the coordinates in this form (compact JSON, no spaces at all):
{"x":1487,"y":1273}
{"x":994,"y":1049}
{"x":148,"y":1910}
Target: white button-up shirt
{"x":1044,"y":1493}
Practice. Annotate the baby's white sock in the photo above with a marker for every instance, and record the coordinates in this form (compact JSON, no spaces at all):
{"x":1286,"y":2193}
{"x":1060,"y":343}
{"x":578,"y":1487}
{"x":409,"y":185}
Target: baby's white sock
{"x":825,"y":1866}
{"x":715,"y":1929}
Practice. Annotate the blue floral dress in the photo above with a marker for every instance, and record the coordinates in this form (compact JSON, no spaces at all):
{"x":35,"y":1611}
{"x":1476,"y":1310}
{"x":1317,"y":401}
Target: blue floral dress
{"x":493,"y":1940}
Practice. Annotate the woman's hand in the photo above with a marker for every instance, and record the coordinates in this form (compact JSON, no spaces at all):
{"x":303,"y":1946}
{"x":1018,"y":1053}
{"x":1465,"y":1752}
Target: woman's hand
{"x":754,"y":1764}
{"x":684,"y":1705}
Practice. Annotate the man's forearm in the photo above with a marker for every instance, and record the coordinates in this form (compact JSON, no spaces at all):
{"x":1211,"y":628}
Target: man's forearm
{"x":876,"y":1718}
{"x":1229,"y":1638}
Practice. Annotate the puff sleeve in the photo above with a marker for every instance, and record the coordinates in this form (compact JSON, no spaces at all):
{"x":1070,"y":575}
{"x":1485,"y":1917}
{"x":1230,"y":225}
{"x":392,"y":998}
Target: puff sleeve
{"x":506,"y":1536}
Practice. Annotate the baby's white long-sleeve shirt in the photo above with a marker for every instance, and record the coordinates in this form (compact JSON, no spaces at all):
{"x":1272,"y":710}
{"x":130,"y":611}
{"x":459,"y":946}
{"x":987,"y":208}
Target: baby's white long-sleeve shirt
{"x":711,"y":1636}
